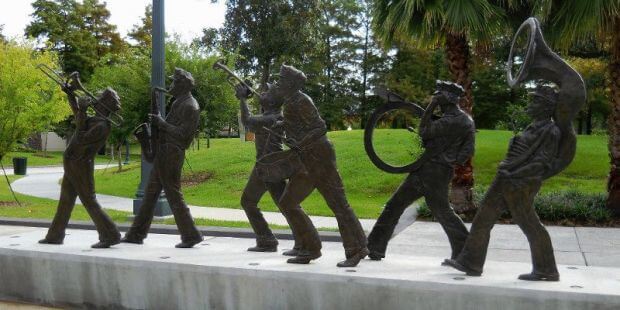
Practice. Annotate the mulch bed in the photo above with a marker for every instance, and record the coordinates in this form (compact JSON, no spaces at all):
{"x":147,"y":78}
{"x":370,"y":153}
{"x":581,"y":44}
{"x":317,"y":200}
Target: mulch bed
{"x":196,"y":178}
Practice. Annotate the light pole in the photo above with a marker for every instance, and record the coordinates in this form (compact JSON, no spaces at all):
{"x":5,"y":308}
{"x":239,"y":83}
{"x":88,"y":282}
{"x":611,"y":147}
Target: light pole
{"x":158,"y":60}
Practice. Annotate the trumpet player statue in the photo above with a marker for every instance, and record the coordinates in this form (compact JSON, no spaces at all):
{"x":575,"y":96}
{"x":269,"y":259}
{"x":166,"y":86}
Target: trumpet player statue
{"x":174,"y":135}
{"x":266,"y":143}
{"x":541,"y":151}
{"x":311,"y":165}
{"x":89,"y":137}
{"x":448,"y":140}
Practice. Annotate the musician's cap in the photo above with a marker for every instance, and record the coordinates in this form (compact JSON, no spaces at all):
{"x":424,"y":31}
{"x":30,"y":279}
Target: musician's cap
{"x":452,"y":88}
{"x":182,"y":75}
{"x":292,"y":76}
{"x":110,"y":99}
{"x":548,"y":93}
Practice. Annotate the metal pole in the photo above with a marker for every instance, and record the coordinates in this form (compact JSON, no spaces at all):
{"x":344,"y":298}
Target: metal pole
{"x":157,"y":80}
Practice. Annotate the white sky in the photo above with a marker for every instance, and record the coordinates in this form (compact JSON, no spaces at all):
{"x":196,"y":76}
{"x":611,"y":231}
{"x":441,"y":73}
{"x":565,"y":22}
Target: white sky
{"x":184,"y":17}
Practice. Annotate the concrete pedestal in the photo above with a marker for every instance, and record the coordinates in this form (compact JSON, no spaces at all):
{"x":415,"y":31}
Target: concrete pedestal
{"x":220,"y":274}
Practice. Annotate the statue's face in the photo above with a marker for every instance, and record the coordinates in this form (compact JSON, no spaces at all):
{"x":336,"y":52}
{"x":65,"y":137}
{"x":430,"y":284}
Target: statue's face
{"x":178,"y":87}
{"x":442,"y":100}
{"x":268,"y":100}
{"x":538,"y":108}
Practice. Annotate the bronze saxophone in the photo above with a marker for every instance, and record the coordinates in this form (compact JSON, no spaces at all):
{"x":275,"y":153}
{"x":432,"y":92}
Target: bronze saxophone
{"x":146,"y":133}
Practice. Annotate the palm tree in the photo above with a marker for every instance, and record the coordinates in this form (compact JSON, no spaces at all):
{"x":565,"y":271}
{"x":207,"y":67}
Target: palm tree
{"x":451,"y":24}
{"x":572,"y":21}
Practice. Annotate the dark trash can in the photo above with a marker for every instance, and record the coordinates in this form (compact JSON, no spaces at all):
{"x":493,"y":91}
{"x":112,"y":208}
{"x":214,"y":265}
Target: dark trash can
{"x":19,"y":165}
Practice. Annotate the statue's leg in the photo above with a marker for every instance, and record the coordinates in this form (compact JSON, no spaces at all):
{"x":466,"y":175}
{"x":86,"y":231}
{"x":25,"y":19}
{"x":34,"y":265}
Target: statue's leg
{"x":523,"y":213}
{"x":436,"y":179}
{"x":276,"y":190}
{"x":170,"y":166}
{"x":142,"y":222}
{"x":85,"y":187}
{"x":297,"y":189}
{"x":474,"y":252}
{"x":56,"y":232}
{"x":252,"y":193}
{"x":408,"y":191}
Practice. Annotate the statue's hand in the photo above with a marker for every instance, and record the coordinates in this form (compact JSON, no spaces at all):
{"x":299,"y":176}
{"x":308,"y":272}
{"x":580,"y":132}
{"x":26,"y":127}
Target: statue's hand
{"x":156,"y":119}
{"x":242,"y":92}
{"x":503,"y":173}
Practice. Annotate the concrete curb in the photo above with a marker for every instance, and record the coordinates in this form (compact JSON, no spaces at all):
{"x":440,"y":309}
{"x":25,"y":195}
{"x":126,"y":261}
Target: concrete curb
{"x":212,"y":231}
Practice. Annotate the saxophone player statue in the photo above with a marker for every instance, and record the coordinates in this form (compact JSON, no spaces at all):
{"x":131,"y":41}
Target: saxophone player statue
{"x":541,"y":151}
{"x":169,"y":138}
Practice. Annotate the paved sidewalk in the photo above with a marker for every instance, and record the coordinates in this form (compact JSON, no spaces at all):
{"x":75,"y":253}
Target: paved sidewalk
{"x":44,"y":183}
{"x":575,"y":246}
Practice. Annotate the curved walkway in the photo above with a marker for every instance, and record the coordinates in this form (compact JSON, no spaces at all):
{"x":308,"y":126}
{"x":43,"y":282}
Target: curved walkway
{"x":43,"y":182}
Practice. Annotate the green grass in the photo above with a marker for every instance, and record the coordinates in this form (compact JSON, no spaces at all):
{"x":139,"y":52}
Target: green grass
{"x":230,"y":161}
{"x":37,"y":208}
{"x":37,"y":159}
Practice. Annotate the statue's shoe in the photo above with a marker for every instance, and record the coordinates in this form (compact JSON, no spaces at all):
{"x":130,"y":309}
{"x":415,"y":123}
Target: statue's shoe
{"x":48,"y":241}
{"x":105,"y":244}
{"x":131,"y":239}
{"x":292,"y":252}
{"x":189,"y":243}
{"x":354,"y":259}
{"x":536,"y":276}
{"x":374,"y":255}
{"x":460,"y":267}
{"x":264,"y":248}
{"x":304,"y":257}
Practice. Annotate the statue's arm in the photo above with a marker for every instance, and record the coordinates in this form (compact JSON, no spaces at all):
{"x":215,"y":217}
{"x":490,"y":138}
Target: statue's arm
{"x":93,"y":134}
{"x":186,"y":129}
{"x":437,"y":128}
{"x":543,"y":158}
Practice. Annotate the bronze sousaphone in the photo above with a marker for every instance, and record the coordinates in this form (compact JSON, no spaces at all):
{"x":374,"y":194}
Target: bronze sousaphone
{"x":394,"y":102}
{"x":541,"y":63}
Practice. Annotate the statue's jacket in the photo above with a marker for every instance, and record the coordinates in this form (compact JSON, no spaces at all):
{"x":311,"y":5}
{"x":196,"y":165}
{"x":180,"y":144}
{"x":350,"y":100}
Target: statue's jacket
{"x":87,"y":141}
{"x":181,"y":123}
{"x":449,"y":140}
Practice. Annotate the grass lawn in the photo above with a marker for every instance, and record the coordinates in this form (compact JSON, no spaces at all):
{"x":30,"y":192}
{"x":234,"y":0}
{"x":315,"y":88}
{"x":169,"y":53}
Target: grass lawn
{"x":37,"y":159}
{"x":38,"y":208}
{"x":229,"y":161}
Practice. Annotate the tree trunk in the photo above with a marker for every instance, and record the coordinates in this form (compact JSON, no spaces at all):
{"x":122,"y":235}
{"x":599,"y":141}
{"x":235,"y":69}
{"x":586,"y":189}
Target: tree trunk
{"x":458,"y":54}
{"x":613,"y":182}
{"x":264,"y":79}
{"x":589,"y":120}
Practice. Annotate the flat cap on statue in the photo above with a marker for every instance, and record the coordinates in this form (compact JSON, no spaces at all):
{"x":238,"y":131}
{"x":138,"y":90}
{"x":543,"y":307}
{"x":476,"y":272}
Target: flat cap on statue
{"x":180,"y":75}
{"x":292,"y":74}
{"x":110,"y":99}
{"x":450,"y":87}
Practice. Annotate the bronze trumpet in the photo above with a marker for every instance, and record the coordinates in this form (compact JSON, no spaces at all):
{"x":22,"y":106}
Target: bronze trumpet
{"x":233,"y":79}
{"x":72,"y":85}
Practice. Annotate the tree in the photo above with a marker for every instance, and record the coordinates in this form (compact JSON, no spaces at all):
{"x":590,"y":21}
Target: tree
{"x":29,"y":101}
{"x":451,"y":24}
{"x":142,"y":33}
{"x":78,"y":32}
{"x":2,"y":37}
{"x":575,"y":21}
{"x":265,"y":32}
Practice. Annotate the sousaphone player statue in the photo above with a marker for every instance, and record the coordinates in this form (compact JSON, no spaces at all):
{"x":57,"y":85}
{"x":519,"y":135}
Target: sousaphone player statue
{"x":541,"y":151}
{"x":447,"y":140}
{"x":167,"y":145}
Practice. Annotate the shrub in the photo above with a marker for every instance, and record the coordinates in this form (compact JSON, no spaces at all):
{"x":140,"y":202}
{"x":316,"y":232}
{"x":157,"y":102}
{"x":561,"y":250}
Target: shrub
{"x":564,"y":208}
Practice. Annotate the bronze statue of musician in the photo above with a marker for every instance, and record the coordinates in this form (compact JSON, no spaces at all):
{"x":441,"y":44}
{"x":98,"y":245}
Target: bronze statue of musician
{"x":174,"y":135}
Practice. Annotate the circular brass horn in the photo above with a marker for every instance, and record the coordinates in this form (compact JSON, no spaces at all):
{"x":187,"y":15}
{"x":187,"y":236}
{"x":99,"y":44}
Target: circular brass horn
{"x":530,"y":24}
{"x":370,"y":127}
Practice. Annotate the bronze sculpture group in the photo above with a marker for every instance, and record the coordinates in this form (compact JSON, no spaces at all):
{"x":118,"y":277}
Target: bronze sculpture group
{"x":290,"y":118}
